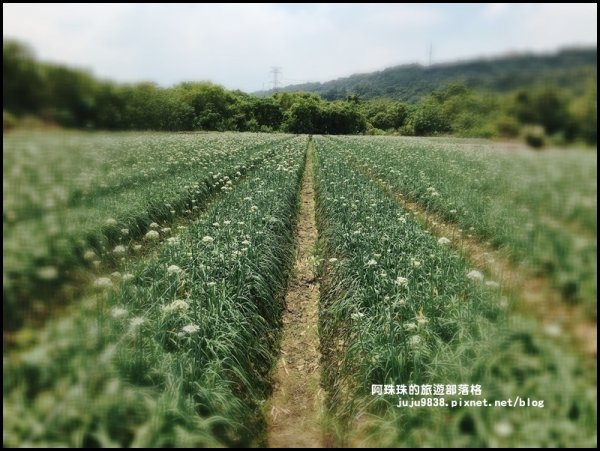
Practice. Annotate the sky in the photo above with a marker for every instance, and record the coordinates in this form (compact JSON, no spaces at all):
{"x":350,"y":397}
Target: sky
{"x":236,"y":45}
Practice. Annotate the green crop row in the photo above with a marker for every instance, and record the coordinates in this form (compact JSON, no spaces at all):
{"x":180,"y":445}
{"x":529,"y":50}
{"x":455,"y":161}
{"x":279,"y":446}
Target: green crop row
{"x":49,"y":172}
{"x":399,"y":307}
{"x":112,"y":188}
{"x":541,"y":208}
{"x":177,"y":350}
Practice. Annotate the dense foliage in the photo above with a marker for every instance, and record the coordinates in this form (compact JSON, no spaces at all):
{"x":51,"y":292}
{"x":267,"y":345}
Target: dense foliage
{"x":568,"y":68}
{"x":74,"y":98}
{"x":562,"y":106}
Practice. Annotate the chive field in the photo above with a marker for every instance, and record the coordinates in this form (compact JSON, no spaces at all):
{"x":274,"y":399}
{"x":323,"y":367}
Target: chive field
{"x":145,"y":278}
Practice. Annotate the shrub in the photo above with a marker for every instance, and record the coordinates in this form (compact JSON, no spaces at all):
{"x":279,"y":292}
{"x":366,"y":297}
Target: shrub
{"x":535,"y":136}
{"x":8,"y":121}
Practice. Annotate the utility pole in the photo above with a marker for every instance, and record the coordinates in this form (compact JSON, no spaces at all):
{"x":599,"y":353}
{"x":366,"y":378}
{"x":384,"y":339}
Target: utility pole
{"x":275,"y":72}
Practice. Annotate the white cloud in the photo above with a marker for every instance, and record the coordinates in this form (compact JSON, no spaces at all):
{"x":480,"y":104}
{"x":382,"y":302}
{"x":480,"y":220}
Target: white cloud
{"x":235,"y":45}
{"x":552,"y":24}
{"x":493,"y":10}
{"x":404,"y":16}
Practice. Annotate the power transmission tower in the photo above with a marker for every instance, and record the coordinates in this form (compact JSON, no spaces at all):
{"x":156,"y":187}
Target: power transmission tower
{"x":275,"y":72}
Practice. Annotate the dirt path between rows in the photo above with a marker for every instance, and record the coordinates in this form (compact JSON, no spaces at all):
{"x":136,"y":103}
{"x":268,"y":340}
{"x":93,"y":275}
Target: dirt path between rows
{"x":294,"y":411}
{"x":536,"y":293}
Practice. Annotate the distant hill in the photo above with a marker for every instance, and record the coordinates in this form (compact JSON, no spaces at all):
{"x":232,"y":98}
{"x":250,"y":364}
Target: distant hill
{"x":568,"y":68}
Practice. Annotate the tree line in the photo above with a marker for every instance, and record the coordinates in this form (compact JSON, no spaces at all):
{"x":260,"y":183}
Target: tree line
{"x":75,"y":98}
{"x":568,"y":69}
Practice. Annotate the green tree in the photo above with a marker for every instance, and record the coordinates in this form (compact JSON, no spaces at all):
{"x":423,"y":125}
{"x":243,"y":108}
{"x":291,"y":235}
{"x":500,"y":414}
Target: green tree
{"x":428,"y":119}
{"x":551,"y":109}
{"x":305,"y":116}
{"x":70,"y":96}
{"x":267,"y":112}
{"x":341,"y":118}
{"x":584,"y":113}
{"x":22,"y":79}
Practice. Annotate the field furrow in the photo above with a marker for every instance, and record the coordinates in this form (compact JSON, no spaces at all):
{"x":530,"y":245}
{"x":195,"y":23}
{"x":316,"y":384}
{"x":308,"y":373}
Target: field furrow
{"x":296,"y":407}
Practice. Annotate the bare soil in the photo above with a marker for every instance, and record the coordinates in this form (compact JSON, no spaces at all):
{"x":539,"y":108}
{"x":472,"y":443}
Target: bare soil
{"x":295,"y":409}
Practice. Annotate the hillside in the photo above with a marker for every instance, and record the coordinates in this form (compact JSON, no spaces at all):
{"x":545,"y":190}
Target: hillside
{"x":568,"y":68}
